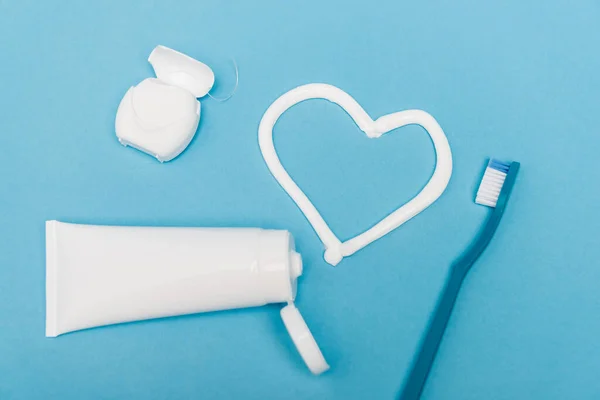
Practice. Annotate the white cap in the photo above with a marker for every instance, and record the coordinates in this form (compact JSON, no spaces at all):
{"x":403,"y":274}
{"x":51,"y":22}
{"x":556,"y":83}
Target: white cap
{"x":177,"y":69}
{"x":303,"y":339}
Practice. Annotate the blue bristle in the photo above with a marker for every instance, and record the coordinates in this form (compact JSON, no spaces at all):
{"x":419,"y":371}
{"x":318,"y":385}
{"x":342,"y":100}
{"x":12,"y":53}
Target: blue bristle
{"x":499,"y":165}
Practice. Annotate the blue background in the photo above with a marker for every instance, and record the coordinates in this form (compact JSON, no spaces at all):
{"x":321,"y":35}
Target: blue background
{"x":514,"y":80}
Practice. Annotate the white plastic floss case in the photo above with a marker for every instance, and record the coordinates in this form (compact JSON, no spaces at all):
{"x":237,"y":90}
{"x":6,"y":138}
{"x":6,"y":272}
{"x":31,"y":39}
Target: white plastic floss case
{"x":160,"y":115}
{"x":102,"y":275}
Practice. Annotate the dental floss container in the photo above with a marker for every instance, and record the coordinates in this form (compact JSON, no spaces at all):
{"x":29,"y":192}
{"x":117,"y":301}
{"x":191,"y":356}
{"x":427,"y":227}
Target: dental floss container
{"x":102,"y":275}
{"x":160,"y":115}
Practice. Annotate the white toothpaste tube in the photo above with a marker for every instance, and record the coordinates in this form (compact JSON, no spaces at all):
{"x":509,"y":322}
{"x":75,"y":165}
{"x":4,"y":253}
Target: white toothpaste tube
{"x":102,"y":275}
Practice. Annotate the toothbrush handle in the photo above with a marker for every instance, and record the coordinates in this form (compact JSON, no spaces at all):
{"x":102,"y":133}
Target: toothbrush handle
{"x":430,"y":344}
{"x":417,"y":377}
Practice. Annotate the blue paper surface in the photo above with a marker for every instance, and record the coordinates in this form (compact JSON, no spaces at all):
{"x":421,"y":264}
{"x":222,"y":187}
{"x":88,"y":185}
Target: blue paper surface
{"x":513,"y":80}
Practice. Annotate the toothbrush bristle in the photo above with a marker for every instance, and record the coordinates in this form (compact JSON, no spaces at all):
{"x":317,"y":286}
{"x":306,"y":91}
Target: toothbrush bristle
{"x":491,"y":184}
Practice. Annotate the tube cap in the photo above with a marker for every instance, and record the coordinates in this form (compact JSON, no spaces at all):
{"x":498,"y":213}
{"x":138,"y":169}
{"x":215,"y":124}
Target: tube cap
{"x":303,"y":339}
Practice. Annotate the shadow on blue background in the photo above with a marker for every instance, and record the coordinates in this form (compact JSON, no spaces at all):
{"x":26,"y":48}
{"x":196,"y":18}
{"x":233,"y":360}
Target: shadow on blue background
{"x":513,"y":80}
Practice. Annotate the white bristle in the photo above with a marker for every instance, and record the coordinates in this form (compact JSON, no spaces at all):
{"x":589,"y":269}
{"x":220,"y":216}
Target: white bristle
{"x":490,"y":187}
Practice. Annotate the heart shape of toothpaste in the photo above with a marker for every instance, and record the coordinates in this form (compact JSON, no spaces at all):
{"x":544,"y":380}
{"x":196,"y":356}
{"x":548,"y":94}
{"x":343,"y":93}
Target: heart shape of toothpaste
{"x":336,"y":250}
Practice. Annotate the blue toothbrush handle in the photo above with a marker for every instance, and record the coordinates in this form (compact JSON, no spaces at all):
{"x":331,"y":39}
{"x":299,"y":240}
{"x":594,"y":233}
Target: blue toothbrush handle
{"x":429,"y":347}
{"x":437,"y":325}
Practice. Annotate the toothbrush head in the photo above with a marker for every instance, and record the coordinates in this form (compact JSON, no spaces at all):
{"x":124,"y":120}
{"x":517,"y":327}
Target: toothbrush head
{"x":497,"y":183}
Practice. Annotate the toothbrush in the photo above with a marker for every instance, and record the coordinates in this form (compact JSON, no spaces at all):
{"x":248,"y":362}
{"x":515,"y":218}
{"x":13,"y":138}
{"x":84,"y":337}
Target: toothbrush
{"x":494,"y":191}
